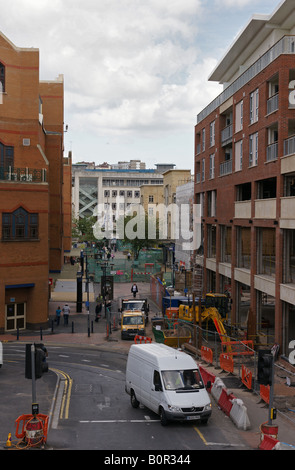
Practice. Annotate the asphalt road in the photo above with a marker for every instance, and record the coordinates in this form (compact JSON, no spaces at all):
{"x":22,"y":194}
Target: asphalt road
{"x":93,"y":411}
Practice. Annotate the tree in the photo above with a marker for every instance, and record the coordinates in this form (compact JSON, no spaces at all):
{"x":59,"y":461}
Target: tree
{"x":140,"y":232}
{"x":83,"y":229}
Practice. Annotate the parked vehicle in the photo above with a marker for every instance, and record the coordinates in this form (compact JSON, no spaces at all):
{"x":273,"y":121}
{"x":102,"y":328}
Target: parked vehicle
{"x":1,"y":354}
{"x":168,"y":382}
{"x":132,"y":324}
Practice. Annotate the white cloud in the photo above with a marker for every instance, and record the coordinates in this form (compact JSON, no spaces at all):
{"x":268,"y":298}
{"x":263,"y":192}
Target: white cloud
{"x":131,"y":67}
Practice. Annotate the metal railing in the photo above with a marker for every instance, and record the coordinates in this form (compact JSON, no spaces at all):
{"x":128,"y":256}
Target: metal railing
{"x":272,"y":152}
{"x":28,"y":175}
{"x":289,"y":146}
{"x":225,"y":168}
{"x":286,"y":45}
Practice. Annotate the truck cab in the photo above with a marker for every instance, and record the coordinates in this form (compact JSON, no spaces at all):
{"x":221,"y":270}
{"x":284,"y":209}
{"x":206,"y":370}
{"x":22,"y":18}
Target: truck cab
{"x":135,"y":304}
{"x":132,"y":324}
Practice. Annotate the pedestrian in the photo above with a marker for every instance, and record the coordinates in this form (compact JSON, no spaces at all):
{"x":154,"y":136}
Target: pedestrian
{"x":98,"y":310}
{"x":134,"y":290}
{"x":66,"y":312}
{"x":57,"y":315}
{"x":129,"y":255}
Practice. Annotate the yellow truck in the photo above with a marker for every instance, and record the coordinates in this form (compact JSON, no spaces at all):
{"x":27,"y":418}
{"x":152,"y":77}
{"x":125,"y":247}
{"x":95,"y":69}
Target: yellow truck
{"x":132,"y":324}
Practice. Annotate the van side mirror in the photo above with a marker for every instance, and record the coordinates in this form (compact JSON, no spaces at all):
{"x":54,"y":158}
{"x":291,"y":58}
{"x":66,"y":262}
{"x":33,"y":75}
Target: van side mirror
{"x":158,"y":387}
{"x":208,"y":385}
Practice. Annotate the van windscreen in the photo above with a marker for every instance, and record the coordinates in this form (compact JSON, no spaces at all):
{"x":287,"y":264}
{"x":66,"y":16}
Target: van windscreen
{"x":189,"y":379}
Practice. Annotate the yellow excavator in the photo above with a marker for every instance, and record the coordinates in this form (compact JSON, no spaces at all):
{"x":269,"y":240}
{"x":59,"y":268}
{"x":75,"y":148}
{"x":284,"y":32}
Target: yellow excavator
{"x":211,"y":313}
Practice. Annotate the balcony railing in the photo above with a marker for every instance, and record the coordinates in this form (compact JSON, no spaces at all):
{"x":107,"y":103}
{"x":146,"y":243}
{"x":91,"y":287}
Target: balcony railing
{"x":286,"y":45}
{"x":272,"y":152}
{"x":289,"y":146}
{"x":28,"y":175}
{"x":225,"y":168}
{"x":273,"y":103}
{"x":226,"y":134}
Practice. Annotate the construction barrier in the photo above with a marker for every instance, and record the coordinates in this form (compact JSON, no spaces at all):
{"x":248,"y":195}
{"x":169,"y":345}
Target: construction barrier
{"x":246,"y":377}
{"x":225,"y":401}
{"x":34,"y":429}
{"x":239,"y":415}
{"x":232,"y":406}
{"x":268,"y":443}
{"x":270,"y":430}
{"x":239,"y":348}
{"x":226,"y":363}
{"x":217,"y":388}
{"x":207,"y":354}
{"x":264,"y":393}
{"x":207,"y":377}
{"x":142,"y":339}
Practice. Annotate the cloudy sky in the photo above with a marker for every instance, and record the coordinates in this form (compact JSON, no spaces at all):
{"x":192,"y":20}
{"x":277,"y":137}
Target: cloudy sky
{"x":135,"y":71}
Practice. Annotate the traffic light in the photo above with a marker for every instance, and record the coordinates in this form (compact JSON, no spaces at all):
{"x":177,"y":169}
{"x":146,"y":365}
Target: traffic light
{"x":41,"y":366}
{"x":265,"y":366}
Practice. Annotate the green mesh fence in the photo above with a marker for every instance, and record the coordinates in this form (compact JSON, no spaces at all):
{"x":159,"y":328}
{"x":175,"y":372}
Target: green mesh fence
{"x":120,"y":267}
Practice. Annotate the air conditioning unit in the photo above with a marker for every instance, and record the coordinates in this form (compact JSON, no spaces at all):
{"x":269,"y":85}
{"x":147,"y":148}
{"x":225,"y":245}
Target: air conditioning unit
{"x":26,"y":142}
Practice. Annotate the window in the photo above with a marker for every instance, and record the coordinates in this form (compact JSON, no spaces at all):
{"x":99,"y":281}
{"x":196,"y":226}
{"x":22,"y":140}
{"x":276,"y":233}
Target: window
{"x":151,"y":198}
{"x":212,"y":133}
{"x":254,"y":103}
{"x":239,"y":116}
{"x":253,"y":149}
{"x":238,"y":155}
{"x":6,"y":156}
{"x":203,"y":139}
{"x":212,"y":166}
{"x":19,"y":225}
{"x":2,"y":78}
{"x":203,"y":170}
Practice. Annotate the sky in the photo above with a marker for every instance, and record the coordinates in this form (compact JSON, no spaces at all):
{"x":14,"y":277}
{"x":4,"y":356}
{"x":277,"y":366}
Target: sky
{"x":135,"y":71}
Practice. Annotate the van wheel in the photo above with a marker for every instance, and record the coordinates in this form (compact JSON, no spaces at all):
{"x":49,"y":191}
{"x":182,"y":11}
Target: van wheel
{"x":134,"y":401}
{"x":163,"y":417}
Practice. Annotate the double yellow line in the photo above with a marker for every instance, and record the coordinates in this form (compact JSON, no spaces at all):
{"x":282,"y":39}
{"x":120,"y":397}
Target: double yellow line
{"x":66,"y":397}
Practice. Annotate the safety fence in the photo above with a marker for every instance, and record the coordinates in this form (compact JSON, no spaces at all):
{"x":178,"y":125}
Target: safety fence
{"x":120,"y":266}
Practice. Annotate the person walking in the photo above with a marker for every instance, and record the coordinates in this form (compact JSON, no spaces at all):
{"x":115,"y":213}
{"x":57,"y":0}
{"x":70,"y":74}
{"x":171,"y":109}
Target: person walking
{"x":134,"y":290}
{"x":66,"y":312}
{"x":98,"y":310}
{"x":57,"y":315}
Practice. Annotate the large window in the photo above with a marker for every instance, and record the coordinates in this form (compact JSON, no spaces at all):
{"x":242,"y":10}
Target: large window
{"x":6,"y":156}
{"x":19,"y":225}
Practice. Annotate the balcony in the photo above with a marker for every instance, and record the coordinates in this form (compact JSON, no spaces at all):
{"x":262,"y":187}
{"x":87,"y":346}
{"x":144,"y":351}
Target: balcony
{"x":225,"y":168}
{"x":289,"y":145}
{"x":273,"y":103}
{"x":272,"y":152}
{"x":226,"y":134}
{"x":265,"y":208}
{"x":287,"y":220}
{"x":23,"y":175}
{"x":243,"y":210}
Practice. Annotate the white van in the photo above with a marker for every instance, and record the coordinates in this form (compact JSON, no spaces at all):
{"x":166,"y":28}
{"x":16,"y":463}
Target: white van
{"x":1,"y":354}
{"x":167,"y":382}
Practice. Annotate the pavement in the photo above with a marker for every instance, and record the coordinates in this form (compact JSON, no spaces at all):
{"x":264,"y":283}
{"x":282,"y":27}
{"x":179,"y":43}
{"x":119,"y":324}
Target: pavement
{"x":83,"y":330}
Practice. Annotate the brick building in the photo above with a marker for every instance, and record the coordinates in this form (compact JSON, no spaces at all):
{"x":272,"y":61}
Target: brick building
{"x":245,"y":176}
{"x":32,"y":193}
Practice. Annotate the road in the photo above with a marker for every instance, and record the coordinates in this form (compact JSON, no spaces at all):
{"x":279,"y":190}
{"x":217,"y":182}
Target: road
{"x":94,"y":412}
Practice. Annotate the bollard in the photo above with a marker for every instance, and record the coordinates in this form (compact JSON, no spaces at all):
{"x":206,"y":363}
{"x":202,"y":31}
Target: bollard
{"x":72,"y":327}
{"x":41,"y":334}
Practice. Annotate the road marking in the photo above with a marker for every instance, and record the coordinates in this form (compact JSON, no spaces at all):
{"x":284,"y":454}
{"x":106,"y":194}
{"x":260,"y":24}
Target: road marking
{"x":226,"y":444}
{"x":66,"y":393}
{"x":94,"y":421}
